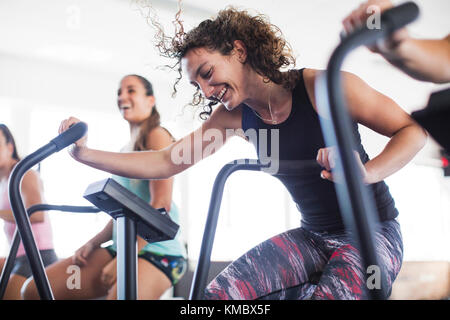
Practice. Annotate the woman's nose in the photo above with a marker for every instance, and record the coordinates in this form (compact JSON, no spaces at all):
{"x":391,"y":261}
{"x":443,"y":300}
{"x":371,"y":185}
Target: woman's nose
{"x":121,"y":98}
{"x":207,"y":90}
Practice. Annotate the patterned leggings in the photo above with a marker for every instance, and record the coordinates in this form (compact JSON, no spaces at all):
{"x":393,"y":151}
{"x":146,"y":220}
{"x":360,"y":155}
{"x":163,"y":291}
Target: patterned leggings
{"x":301,"y":264}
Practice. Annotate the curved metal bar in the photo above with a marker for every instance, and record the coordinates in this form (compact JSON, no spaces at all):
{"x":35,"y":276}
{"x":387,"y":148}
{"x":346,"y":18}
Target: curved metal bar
{"x":301,"y":167}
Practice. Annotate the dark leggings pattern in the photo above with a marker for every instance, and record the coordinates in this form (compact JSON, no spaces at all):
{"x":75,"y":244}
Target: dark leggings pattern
{"x":301,"y":264}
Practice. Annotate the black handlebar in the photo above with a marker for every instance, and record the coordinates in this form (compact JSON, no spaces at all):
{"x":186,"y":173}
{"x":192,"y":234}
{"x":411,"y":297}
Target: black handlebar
{"x":399,"y":16}
{"x":62,"y":208}
{"x":285,"y":167}
{"x":74,"y":133}
{"x":390,"y":21}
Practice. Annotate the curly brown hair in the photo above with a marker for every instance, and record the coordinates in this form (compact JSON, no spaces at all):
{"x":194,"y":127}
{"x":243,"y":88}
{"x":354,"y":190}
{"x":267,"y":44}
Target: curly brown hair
{"x":267,"y":50}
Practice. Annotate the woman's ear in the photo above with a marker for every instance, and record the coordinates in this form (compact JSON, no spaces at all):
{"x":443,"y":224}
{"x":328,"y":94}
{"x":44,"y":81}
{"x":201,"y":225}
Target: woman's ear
{"x":151,"y":100}
{"x":240,"y":50}
{"x":10,"y":148}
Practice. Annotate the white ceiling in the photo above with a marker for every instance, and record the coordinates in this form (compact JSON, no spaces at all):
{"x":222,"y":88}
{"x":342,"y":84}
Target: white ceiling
{"x":87,"y":45}
{"x":111,"y":34}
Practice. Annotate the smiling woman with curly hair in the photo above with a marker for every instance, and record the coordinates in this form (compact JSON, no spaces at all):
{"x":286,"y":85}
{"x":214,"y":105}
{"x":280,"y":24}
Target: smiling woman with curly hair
{"x":237,"y":60}
{"x":268,"y":51}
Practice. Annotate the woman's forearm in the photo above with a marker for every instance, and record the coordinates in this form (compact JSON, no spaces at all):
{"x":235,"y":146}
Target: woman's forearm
{"x":423,"y":59}
{"x":141,"y":243}
{"x":402,"y":147}
{"x":7,"y":215}
{"x":135,"y":165}
{"x":104,"y":235}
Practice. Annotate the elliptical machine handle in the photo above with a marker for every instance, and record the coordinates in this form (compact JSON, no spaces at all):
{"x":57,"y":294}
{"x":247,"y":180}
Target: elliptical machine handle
{"x":399,"y":16}
{"x":73,"y":134}
{"x":392,"y":19}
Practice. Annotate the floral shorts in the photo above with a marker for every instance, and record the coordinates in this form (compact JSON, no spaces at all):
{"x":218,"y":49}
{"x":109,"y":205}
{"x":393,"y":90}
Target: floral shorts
{"x":173,"y":267}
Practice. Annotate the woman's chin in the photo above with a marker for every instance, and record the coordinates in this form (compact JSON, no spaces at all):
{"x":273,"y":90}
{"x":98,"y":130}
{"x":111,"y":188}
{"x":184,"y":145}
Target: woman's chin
{"x":230,"y":106}
{"x":128,"y":118}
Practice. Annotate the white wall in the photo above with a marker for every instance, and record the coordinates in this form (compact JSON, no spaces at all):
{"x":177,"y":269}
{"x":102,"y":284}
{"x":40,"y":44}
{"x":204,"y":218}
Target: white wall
{"x":61,"y":58}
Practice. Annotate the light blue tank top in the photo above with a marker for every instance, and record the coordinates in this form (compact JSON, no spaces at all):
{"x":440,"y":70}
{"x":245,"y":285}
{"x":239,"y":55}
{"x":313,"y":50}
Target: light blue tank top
{"x":173,"y":247}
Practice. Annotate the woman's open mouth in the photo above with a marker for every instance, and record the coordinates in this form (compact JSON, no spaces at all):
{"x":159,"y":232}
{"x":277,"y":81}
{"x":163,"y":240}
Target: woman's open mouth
{"x":222,"y":93}
{"x":124,"y":107}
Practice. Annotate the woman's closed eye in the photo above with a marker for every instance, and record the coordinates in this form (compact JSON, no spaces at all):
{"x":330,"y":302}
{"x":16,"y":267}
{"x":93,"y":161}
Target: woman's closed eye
{"x":207,"y":74}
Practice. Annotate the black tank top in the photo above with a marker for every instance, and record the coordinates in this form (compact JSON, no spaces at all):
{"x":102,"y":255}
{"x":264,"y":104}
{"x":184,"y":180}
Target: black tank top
{"x":300,"y":138}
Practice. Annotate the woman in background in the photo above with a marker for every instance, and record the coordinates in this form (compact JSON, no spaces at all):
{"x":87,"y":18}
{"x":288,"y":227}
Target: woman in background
{"x":160,"y":265}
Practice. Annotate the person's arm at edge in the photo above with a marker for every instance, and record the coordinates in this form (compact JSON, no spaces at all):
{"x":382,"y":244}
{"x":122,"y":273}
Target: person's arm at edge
{"x":32,"y":193}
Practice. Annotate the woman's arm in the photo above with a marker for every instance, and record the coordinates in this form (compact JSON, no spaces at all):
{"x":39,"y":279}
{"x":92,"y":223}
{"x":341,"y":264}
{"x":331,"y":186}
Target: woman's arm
{"x":161,"y":164}
{"x":80,"y":256}
{"x":161,"y":190}
{"x":7,"y":215}
{"x":103,"y":236}
{"x":381,"y":114}
{"x":422,"y":59}
{"x":32,"y":193}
